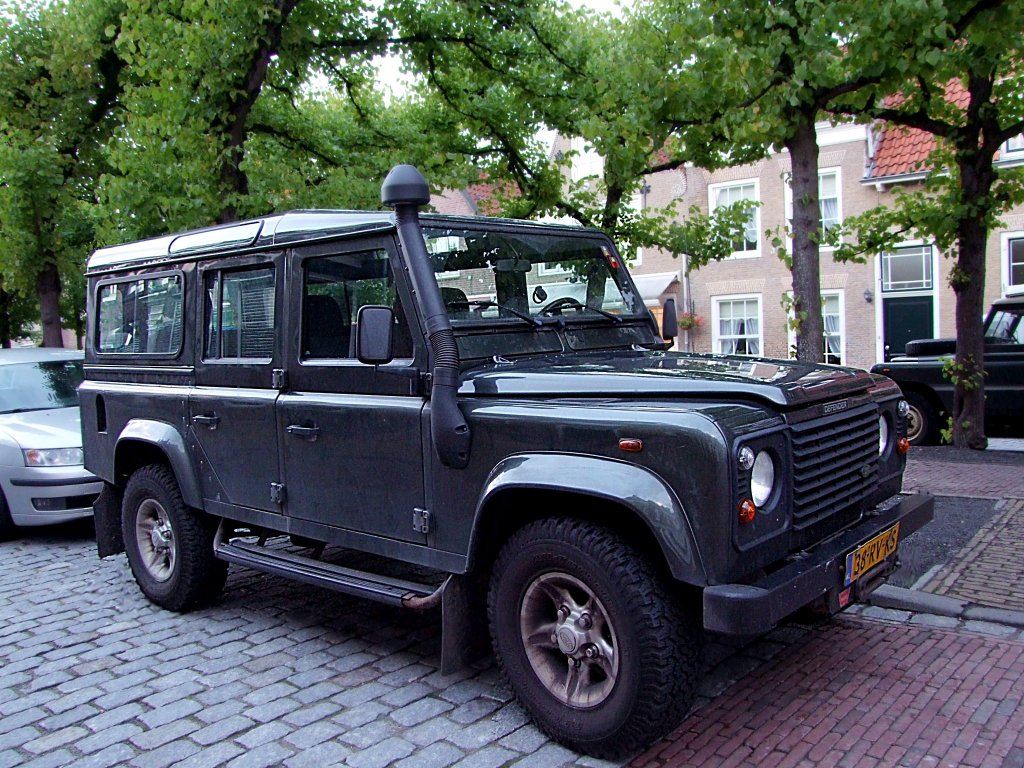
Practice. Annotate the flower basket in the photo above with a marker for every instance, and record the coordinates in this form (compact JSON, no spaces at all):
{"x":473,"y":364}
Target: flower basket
{"x":690,"y":320}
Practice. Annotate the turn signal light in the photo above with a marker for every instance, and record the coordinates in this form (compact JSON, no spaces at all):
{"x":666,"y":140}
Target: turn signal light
{"x":748,"y":511}
{"x":903,"y":446}
{"x":631,"y":444}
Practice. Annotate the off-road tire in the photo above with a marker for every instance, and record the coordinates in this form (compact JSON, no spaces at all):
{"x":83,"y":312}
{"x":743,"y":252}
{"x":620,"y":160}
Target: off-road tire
{"x":656,"y":640}
{"x":923,"y":419}
{"x":188,"y":575}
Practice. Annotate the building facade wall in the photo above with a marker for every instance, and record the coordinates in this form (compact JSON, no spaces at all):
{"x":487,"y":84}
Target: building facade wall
{"x":856,"y":290}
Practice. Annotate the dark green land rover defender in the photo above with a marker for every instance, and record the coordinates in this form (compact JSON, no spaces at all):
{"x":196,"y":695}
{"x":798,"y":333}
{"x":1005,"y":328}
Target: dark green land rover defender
{"x":490,"y":402}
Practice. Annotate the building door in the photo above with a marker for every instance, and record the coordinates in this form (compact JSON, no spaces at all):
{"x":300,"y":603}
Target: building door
{"x":908,"y":300}
{"x":904,"y":319}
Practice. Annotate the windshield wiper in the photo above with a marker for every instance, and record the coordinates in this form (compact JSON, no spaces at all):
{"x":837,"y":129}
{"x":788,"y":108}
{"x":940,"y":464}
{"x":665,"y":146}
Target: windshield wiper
{"x":534,"y":321}
{"x":569,"y":302}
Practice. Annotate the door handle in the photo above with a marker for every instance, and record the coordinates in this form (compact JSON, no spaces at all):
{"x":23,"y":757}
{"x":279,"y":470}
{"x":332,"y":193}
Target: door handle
{"x":207,"y":421}
{"x":306,"y":433}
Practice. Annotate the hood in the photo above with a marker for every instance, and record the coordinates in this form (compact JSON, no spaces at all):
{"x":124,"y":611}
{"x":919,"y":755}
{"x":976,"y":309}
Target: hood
{"x":784,"y":383}
{"x":51,"y":428}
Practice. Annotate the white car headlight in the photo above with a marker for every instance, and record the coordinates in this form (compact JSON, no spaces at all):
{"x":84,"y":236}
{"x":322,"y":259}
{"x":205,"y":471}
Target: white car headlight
{"x":762,"y":478}
{"x":53,"y":457}
{"x":883,"y":434}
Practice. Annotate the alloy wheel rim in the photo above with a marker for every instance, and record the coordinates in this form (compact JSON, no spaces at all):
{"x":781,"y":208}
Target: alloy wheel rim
{"x":156,"y":540}
{"x":914,"y":424}
{"x":569,"y":640}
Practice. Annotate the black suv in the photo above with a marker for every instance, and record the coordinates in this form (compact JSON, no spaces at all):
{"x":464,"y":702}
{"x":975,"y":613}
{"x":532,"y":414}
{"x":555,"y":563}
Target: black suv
{"x":480,"y":415}
{"x":930,"y":394}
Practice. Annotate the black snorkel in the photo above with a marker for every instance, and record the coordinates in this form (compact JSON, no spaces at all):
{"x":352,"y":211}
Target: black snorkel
{"x":406,"y":190}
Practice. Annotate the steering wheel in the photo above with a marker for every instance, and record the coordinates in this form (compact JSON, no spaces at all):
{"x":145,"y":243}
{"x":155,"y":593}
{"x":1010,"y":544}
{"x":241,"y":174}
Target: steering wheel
{"x":564,"y":302}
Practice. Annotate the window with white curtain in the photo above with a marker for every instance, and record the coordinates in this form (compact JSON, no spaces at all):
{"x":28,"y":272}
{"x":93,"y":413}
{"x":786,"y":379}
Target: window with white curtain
{"x":830,"y":205}
{"x":833,"y":323}
{"x":726,"y":194}
{"x":832,"y":320}
{"x":828,"y":199}
{"x":737,"y":328}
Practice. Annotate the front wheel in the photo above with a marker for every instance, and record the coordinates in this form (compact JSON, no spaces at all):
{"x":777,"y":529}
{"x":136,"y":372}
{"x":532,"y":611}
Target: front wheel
{"x":169,"y":545}
{"x":593,"y":644}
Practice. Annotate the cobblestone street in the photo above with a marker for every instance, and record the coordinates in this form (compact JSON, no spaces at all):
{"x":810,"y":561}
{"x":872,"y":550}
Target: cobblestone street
{"x":93,"y":675}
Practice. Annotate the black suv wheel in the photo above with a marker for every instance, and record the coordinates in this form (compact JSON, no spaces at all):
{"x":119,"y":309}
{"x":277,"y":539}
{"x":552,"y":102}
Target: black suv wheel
{"x":604,"y":659}
{"x":169,"y":545}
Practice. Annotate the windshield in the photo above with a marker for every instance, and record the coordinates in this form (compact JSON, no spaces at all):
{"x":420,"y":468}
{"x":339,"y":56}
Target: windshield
{"x":1005,"y":326}
{"x":39,"y":386}
{"x":528,"y":277}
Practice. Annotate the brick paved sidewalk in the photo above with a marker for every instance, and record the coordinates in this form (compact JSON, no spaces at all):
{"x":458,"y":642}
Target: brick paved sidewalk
{"x":990,"y":569}
{"x":864,"y":693}
{"x":963,"y":476}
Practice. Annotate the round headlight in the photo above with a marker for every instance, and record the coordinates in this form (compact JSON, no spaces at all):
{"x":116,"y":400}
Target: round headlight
{"x":903,"y":409}
{"x":762,"y":478}
{"x":883,"y":434}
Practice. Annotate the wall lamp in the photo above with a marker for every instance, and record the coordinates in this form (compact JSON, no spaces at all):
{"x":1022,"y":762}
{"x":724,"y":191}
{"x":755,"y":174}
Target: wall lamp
{"x":869,"y":295}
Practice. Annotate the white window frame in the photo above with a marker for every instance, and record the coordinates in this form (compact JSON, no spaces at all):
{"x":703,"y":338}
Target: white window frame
{"x":840,"y":295}
{"x":1005,"y":239}
{"x":904,"y":289}
{"x":716,"y":336}
{"x":714,"y":189}
{"x":838,"y":172}
{"x":1014,"y":146}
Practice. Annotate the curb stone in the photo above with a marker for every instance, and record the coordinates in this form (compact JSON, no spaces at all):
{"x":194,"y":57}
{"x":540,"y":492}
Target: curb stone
{"x":912,"y":601}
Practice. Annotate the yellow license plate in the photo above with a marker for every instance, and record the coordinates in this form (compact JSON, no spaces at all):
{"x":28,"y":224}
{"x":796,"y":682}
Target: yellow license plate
{"x":871,"y":553}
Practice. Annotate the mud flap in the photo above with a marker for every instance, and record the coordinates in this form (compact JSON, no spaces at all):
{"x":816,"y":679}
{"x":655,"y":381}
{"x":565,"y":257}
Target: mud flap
{"x":107,"y":515}
{"x":464,"y":636}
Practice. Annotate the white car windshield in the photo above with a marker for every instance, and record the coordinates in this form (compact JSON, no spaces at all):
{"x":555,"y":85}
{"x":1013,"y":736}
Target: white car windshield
{"x":39,"y":386}
{"x":488,"y":275}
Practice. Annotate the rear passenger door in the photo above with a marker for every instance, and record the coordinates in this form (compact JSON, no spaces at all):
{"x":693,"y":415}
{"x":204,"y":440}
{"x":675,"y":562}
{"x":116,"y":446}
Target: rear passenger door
{"x":350,"y":434}
{"x":231,"y":408}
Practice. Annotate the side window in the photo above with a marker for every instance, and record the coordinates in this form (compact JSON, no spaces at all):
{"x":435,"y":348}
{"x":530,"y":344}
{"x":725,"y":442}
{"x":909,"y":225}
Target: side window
{"x":334,"y":288}
{"x":142,"y":316}
{"x":239,"y":314}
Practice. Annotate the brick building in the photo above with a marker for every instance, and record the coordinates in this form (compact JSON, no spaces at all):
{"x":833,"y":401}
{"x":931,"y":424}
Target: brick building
{"x":870,"y":309}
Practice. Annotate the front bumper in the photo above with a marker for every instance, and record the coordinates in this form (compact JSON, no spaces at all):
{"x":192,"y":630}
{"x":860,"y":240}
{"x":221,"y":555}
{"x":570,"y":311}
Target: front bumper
{"x":46,"y":495}
{"x":751,"y":609}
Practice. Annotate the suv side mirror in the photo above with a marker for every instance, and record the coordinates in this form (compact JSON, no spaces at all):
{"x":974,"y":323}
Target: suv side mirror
{"x":669,"y":320}
{"x":374,"y":334}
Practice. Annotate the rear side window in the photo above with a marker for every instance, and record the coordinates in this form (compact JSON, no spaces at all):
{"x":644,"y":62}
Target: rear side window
{"x":142,"y":316}
{"x":240,"y":314}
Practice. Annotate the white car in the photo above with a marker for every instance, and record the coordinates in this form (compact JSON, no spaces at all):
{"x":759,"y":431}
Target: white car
{"x":42,"y":480}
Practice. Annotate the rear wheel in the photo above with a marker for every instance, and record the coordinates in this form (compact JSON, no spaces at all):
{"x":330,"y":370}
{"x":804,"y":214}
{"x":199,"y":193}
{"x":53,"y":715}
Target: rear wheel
{"x":589,"y":637}
{"x":922,"y":420}
{"x":169,"y":545}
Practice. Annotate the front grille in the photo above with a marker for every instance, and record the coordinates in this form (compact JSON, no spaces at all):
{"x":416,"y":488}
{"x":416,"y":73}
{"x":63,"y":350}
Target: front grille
{"x":835,"y":463}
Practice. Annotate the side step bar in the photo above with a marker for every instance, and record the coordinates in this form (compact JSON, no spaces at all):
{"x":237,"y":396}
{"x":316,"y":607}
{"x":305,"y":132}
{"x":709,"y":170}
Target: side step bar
{"x":373,"y":586}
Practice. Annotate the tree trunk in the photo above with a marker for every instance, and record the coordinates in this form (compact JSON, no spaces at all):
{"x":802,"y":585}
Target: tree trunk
{"x":803,"y":154}
{"x":968,"y":283}
{"x":234,"y":180}
{"x":48,"y":289}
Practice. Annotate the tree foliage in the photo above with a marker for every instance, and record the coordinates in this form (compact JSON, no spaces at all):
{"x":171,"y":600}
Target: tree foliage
{"x":959,"y":80}
{"x":58,"y":93}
